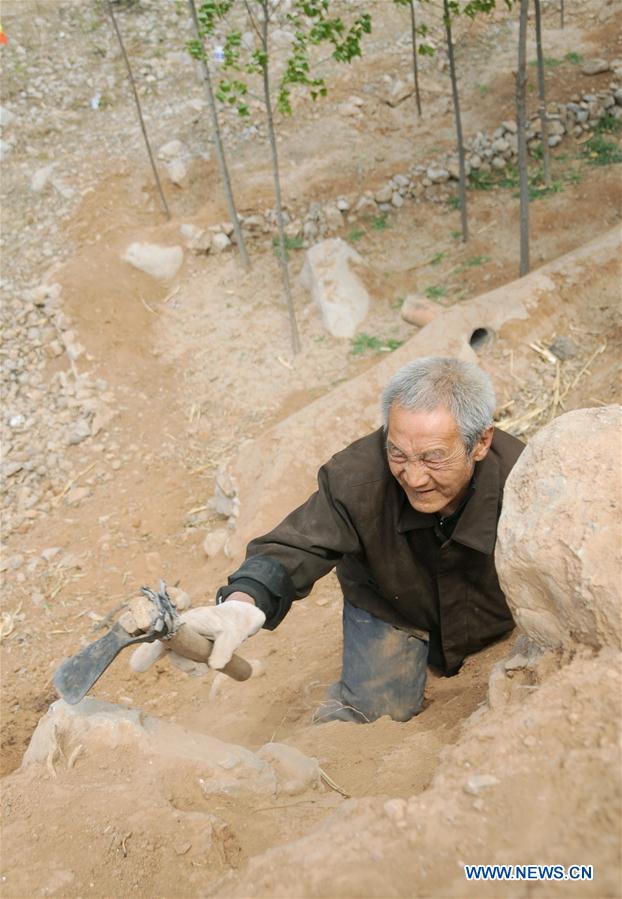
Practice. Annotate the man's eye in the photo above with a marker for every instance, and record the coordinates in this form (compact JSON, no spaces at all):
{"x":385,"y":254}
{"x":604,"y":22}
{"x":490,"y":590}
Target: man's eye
{"x":434,"y":460}
{"x":396,"y":455}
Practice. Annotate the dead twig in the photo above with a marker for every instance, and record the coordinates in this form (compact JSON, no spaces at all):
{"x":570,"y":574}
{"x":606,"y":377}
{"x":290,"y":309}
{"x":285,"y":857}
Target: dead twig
{"x":7,"y":622}
{"x":331,"y":783}
{"x":585,"y":368}
{"x":73,"y":480}
{"x":555,"y":402}
{"x":147,"y":306}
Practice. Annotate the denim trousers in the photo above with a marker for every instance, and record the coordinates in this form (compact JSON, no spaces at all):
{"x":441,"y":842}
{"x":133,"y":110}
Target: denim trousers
{"x":384,"y":672}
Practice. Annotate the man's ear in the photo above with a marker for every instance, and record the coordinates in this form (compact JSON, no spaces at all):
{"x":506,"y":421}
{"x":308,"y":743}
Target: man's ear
{"x":483,"y":444}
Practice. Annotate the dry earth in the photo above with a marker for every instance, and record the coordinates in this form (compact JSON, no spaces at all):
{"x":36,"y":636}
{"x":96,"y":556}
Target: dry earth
{"x":188,"y":373}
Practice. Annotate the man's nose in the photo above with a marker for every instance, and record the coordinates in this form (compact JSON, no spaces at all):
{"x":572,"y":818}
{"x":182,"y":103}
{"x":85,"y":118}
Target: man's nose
{"x":415,"y":475}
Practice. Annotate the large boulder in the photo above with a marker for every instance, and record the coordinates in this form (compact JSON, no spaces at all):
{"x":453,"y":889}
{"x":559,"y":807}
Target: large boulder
{"x":558,"y":551}
{"x":328,"y":274}
{"x":100,"y":729}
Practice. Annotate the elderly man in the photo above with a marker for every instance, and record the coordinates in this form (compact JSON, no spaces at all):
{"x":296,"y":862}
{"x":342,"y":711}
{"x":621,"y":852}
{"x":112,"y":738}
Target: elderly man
{"x":408,"y":516}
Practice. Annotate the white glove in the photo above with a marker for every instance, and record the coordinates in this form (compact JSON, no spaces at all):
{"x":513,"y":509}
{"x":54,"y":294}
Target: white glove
{"x":228,"y":625}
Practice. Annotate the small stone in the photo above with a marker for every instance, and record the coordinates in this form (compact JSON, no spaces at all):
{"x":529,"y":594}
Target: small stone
{"x":554,"y":140}
{"x":517,"y":662}
{"x":181,"y":599}
{"x":437,"y":174}
{"x":397,"y":200}
{"x":177,"y":171}
{"x":41,"y":178}
{"x":384,"y":194}
{"x":395,"y":810}
{"x":76,"y":495}
{"x":498,"y":163}
{"x":563,"y":347}
{"x":6,"y":117}
{"x":334,"y":219}
{"x":214,"y":542}
{"x":398,"y":92}
{"x":80,"y":431}
{"x":365,"y":203}
{"x":595,"y":66}
{"x":479,"y":782}
{"x":529,"y":741}
{"x":197,"y":239}
{"x":295,"y":772}
{"x":171,"y":150}
{"x":419,"y":311}
{"x":50,"y":552}
{"x":220,"y":242}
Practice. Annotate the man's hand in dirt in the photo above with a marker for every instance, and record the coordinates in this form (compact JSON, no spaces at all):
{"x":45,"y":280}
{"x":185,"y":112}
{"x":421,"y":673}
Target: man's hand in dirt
{"x":227,"y":624}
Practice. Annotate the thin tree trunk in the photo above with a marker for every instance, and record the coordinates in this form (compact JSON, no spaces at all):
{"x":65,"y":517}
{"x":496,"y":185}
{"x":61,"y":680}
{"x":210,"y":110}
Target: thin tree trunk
{"x":454,"y":90}
{"x":139,"y":110}
{"x":521,"y":121}
{"x":277,"y":184}
{"x":561,"y":13}
{"x":220,"y":153}
{"x":542,"y":97}
{"x":413,"y":28}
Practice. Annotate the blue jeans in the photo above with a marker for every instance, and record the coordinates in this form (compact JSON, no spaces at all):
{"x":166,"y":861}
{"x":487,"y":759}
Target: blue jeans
{"x":384,"y":672}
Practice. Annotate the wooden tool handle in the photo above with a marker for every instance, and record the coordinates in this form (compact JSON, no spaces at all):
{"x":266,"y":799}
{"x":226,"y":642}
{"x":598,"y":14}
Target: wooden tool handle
{"x":188,"y":643}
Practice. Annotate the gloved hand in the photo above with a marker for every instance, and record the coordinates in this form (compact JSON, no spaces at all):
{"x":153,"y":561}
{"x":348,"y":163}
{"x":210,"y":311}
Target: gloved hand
{"x":228,"y":625}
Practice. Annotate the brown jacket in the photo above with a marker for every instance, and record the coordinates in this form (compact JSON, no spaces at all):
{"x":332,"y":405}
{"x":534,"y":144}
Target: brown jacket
{"x":391,"y":560}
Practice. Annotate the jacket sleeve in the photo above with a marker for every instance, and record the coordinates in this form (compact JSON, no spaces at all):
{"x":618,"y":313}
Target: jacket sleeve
{"x":284,"y":564}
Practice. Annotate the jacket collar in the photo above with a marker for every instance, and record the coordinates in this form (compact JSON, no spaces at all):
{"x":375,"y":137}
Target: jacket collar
{"x":477,"y":526}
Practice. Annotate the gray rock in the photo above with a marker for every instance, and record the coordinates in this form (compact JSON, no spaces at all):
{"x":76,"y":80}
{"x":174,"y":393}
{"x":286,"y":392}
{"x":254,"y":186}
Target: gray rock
{"x":563,"y":347}
{"x":80,"y":431}
{"x":437,"y":174}
{"x":40,"y":178}
{"x":479,"y":782}
{"x":329,"y":276}
{"x":172,"y":150}
{"x":333,"y":217}
{"x":516,"y":662}
{"x":199,"y":240}
{"x":220,"y":242}
{"x":177,"y":171}
{"x":398,"y":92}
{"x":50,"y":552}
{"x":158,"y":261}
{"x":384,"y":194}
{"x":6,"y":117}
{"x":557,"y":555}
{"x":397,"y":200}
{"x":295,"y":772}
{"x":595,"y":66}
{"x":101,"y":727}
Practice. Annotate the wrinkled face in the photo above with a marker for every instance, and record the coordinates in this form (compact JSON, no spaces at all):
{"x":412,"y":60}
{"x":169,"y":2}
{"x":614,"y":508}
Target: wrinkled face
{"x":426,"y":455}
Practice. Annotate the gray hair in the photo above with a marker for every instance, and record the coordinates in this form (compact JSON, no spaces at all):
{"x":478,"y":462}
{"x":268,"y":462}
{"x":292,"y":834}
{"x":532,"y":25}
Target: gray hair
{"x":438,"y":381}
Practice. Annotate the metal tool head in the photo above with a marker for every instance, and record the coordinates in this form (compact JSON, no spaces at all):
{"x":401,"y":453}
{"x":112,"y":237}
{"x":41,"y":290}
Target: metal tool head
{"x":75,"y":677}
{"x":167,"y":621}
